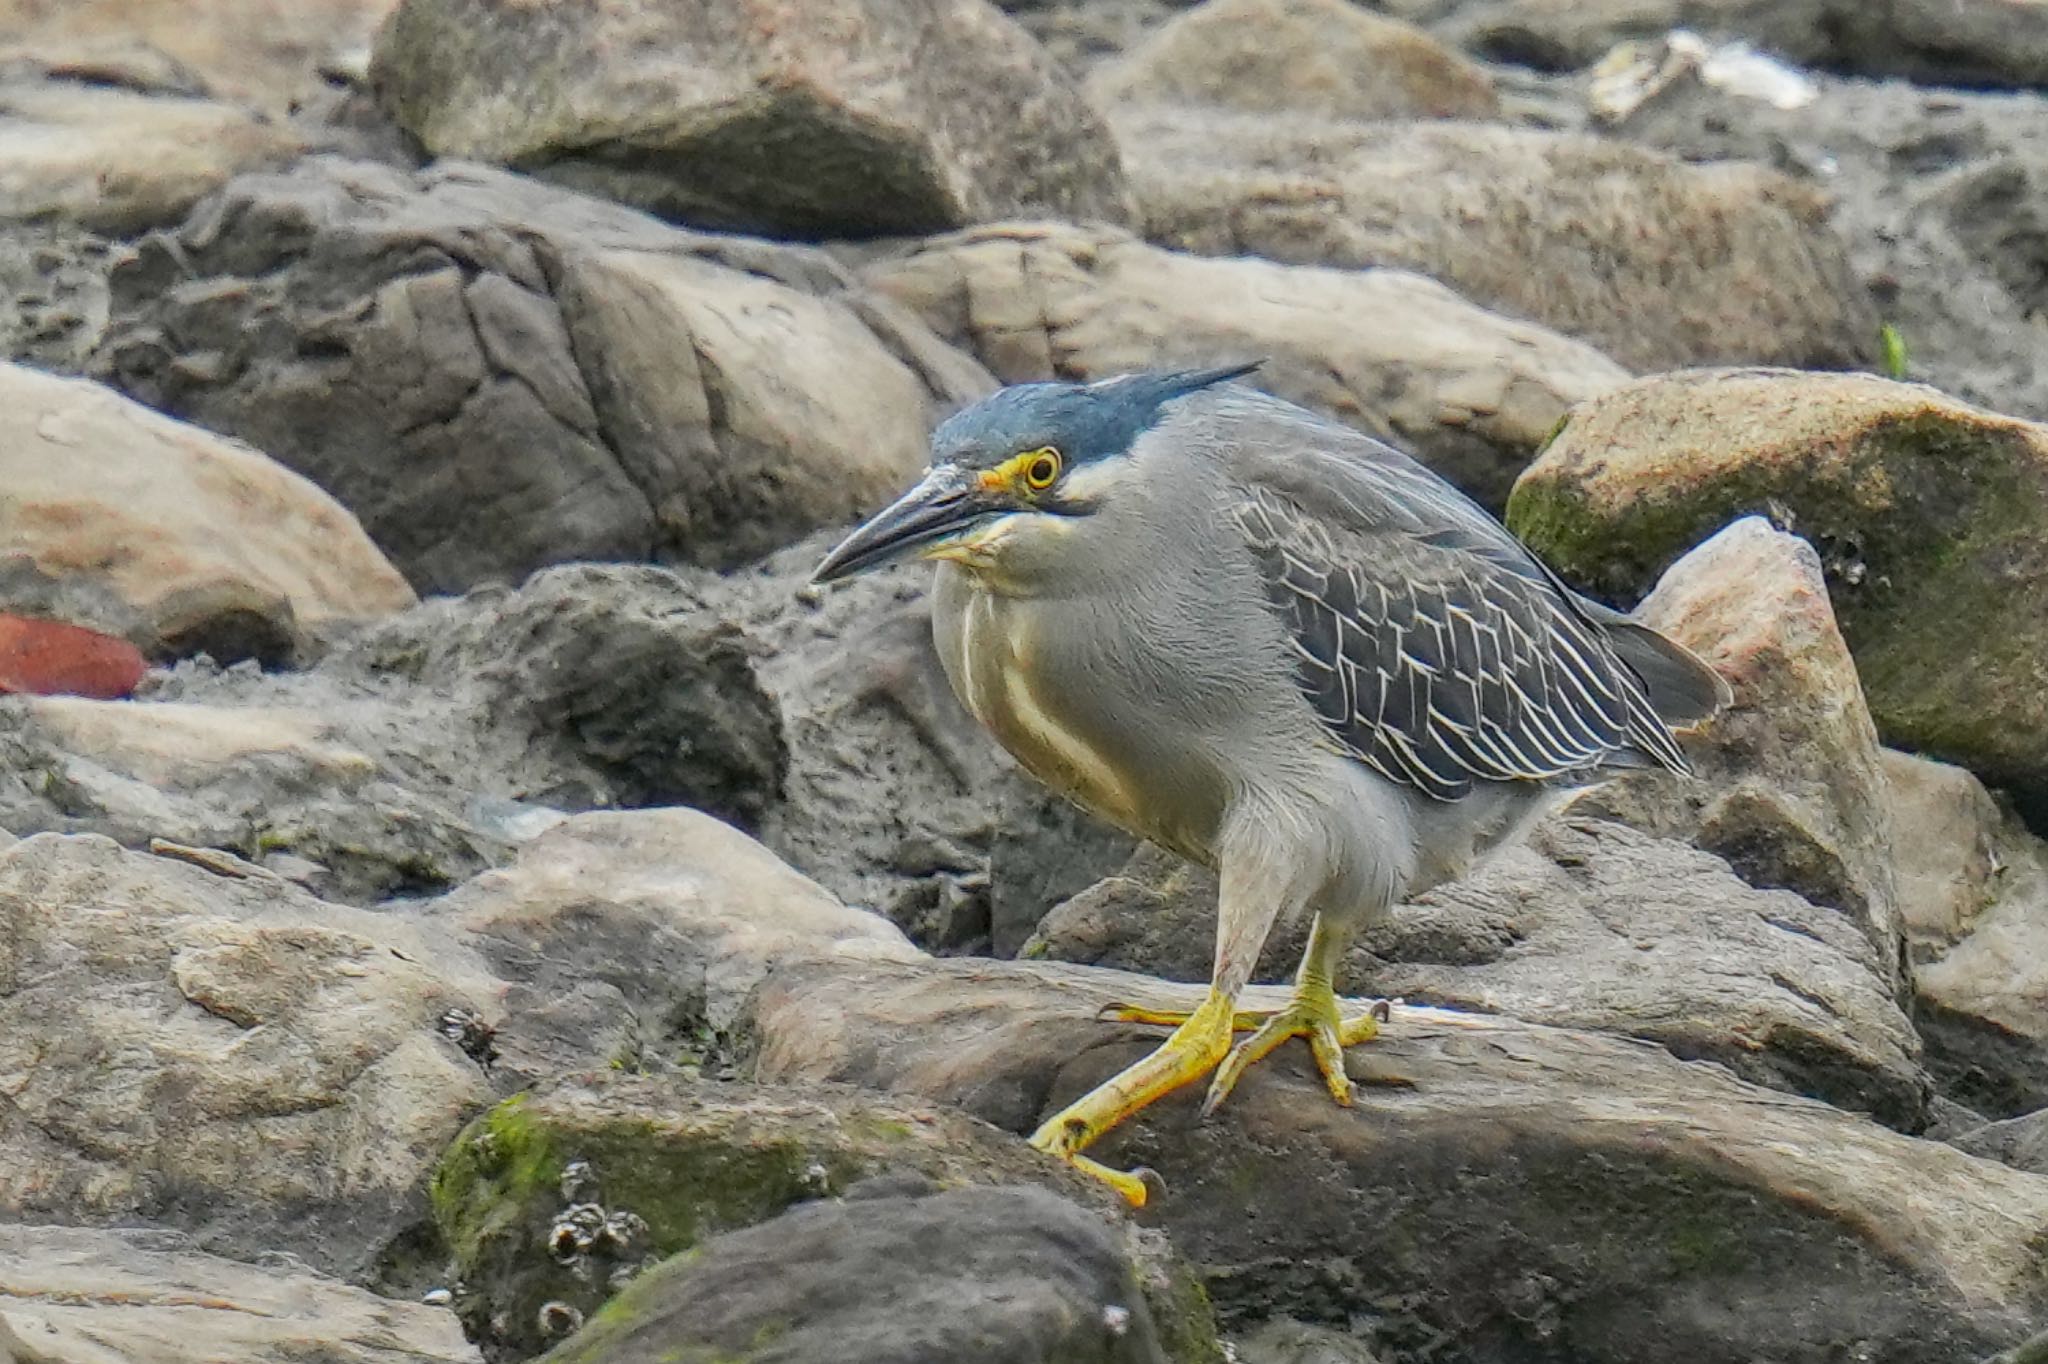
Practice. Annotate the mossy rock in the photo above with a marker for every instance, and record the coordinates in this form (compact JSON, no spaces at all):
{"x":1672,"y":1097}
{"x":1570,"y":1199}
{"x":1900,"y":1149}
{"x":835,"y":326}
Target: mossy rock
{"x":553,"y":1200}
{"x":1931,"y":517}
{"x":995,"y":1275}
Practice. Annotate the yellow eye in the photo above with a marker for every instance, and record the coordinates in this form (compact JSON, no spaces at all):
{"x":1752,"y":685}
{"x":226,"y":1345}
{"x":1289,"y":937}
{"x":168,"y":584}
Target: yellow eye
{"x":1043,"y":469}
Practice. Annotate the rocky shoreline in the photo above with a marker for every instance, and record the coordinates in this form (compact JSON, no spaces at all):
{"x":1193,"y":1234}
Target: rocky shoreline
{"x":515,"y":917}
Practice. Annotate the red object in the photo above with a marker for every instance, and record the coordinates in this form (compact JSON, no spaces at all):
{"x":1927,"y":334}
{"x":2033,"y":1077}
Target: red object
{"x":50,"y":658}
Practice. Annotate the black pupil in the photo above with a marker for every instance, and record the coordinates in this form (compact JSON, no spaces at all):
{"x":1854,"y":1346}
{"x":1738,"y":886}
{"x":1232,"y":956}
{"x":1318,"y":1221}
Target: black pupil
{"x":1041,"y":470}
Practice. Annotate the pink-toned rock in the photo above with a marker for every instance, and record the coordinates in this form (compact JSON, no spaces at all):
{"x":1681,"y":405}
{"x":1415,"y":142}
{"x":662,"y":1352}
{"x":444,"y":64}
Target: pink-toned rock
{"x":179,"y":540}
{"x":1789,"y":787}
{"x":50,"y":658}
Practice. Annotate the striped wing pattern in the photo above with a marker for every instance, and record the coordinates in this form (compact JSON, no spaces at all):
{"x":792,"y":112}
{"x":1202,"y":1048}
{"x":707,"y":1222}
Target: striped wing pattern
{"x":1438,"y":651}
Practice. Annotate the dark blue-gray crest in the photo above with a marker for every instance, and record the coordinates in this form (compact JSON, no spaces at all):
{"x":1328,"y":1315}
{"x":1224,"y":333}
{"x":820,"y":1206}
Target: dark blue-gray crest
{"x":1082,"y":421}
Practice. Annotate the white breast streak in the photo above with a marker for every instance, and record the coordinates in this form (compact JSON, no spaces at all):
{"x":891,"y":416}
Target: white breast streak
{"x":1099,"y":782}
{"x":996,"y":652}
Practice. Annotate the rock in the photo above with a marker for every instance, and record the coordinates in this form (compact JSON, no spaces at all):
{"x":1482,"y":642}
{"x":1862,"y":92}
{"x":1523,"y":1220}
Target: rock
{"x":566,"y":1194}
{"x":1789,"y":786}
{"x":1967,"y":867}
{"x":1046,"y":851}
{"x":1590,"y":925}
{"x":1946,"y":837}
{"x":1934,"y":42}
{"x":1156,"y":914}
{"x":1537,"y":1191}
{"x":1984,"y":1002}
{"x":420,"y":752}
{"x":1312,"y":56}
{"x":1917,"y":503}
{"x":1933,"y":191}
{"x":56,"y":274}
{"x":255,"y":52}
{"x":485,"y":370}
{"x":120,"y":161}
{"x":2020,"y":1142}
{"x":1011,"y":1276}
{"x":1658,"y":263}
{"x":122,"y":519}
{"x":647,"y":929}
{"x":192,"y":1041}
{"x":227,"y":1056}
{"x":1283,"y":1341}
{"x":834,"y":118}
{"x":1083,"y":34}
{"x":1472,"y":393}
{"x":74,"y":1296}
{"x":50,"y":658}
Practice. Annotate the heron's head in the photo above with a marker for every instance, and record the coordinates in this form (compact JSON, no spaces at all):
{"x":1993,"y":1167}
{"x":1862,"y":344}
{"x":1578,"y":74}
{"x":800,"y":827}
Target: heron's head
{"x":1031,"y":458}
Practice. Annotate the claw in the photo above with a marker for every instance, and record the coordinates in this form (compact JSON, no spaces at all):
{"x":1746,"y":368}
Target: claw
{"x":1197,"y":1044}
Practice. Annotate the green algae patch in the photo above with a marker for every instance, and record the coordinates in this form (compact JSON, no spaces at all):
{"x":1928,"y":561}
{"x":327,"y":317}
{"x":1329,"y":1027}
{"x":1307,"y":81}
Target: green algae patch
{"x":557,"y":1199}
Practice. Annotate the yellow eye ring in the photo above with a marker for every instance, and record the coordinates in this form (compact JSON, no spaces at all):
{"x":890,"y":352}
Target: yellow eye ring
{"x":1042,"y":469}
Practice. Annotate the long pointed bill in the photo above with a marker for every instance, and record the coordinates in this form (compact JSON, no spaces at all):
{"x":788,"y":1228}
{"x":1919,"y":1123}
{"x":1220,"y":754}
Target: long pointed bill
{"x":948,"y":501}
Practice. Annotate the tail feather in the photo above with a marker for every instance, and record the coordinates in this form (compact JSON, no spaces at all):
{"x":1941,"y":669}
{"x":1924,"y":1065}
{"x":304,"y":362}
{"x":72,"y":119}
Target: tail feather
{"x":1682,"y":689}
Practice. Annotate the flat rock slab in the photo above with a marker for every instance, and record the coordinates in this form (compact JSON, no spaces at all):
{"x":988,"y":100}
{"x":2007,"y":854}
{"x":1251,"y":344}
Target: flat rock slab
{"x":193,"y":1041}
{"x":1659,"y":263}
{"x":72,"y":1295}
{"x":1471,"y":392}
{"x":120,"y":160}
{"x":1588,"y":925}
{"x":1535,"y":1190}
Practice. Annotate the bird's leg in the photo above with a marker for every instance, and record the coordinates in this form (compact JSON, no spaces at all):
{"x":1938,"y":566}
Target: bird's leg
{"x":1201,"y":1040}
{"x":1313,"y":1014}
{"x":1246,"y":907}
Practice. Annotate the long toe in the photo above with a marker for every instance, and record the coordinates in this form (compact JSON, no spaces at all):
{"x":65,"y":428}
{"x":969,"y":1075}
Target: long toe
{"x":1313,"y":1014}
{"x":1190,"y":1053}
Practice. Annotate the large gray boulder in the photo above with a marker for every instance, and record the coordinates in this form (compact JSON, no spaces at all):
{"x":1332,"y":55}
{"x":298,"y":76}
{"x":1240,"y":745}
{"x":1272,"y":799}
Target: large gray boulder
{"x":1396,"y":354}
{"x":1789,"y":784}
{"x":564,"y":1194}
{"x":840,"y":118}
{"x":1535,"y":1192}
{"x":1659,"y":263}
{"x":495,"y":375}
{"x":1929,"y":516}
{"x":1006,"y":1276}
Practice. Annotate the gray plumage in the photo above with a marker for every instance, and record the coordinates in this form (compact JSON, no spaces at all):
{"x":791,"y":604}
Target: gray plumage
{"x":1269,"y":643}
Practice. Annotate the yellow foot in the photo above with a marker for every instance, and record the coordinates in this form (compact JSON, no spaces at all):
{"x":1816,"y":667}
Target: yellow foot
{"x":1313,"y":1014}
{"x":1197,"y":1044}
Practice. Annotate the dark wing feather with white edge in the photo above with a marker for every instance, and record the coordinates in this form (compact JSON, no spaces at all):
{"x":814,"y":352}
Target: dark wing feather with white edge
{"x":1433,"y":645}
